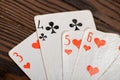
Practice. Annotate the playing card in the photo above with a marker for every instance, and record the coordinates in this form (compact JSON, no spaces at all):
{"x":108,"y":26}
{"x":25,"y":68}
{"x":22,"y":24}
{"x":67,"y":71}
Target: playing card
{"x":28,"y":57}
{"x":113,"y":73}
{"x":71,"y":41}
{"x":98,"y":50}
{"x":50,"y":27}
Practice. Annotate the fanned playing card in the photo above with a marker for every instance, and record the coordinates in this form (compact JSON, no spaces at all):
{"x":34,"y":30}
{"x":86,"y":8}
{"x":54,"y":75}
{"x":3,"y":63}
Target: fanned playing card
{"x":28,"y":57}
{"x":71,"y":42}
{"x":113,"y":73}
{"x":97,"y":52}
{"x":50,"y":27}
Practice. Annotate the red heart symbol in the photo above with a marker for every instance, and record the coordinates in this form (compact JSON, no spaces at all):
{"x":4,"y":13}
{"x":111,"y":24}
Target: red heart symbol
{"x":77,"y":42}
{"x":68,"y":51}
{"x":99,"y":42}
{"x":27,"y":65}
{"x":36,"y":44}
{"x":119,"y":48}
{"x":87,"y":47}
{"x":92,"y":71}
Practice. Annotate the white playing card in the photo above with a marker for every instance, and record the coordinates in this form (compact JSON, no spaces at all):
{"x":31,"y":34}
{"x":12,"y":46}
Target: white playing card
{"x":113,"y":73}
{"x":97,"y":52}
{"x":50,"y":27}
{"x":28,"y":57}
{"x":71,"y":41}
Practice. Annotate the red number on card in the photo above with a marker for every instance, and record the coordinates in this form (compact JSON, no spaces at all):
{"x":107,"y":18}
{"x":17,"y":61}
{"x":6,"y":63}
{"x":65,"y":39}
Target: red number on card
{"x":67,"y":38}
{"x":19,"y":56}
{"x":89,"y":38}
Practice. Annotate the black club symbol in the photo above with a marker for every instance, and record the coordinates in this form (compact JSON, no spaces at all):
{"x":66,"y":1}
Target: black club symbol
{"x":75,"y":24}
{"x":52,"y":27}
{"x":43,"y":36}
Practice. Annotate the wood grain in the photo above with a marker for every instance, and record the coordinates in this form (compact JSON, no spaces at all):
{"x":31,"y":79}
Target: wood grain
{"x":106,"y":13}
{"x":16,"y":24}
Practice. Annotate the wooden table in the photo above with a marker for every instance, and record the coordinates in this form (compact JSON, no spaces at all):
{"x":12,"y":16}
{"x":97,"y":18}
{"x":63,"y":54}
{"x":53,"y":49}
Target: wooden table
{"x":16,"y":24}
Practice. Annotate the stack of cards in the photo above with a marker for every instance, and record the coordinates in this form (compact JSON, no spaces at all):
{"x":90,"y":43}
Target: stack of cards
{"x":67,"y":46}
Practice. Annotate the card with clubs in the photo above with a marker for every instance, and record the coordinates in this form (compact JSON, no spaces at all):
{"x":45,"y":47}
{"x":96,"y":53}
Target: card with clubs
{"x":71,"y":41}
{"x":97,"y":52}
{"x":28,"y":57}
{"x":49,"y":29}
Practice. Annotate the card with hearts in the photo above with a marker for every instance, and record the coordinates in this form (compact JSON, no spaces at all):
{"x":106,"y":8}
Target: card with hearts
{"x":97,"y":52}
{"x":71,"y":41}
{"x":67,"y":46}
{"x":28,"y":57}
{"x":50,"y":27}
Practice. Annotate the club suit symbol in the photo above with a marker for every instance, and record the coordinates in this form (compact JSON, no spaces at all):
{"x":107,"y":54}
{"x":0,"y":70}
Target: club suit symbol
{"x":52,"y":27}
{"x":75,"y":24}
{"x":43,"y":36}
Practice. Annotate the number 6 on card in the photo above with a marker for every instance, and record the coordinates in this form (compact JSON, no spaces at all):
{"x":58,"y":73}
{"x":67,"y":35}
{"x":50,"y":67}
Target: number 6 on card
{"x":98,"y":50}
{"x":89,"y":38}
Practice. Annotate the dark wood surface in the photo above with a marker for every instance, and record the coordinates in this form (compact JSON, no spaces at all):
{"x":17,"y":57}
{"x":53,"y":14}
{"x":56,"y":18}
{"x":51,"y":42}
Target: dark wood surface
{"x":16,"y":24}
